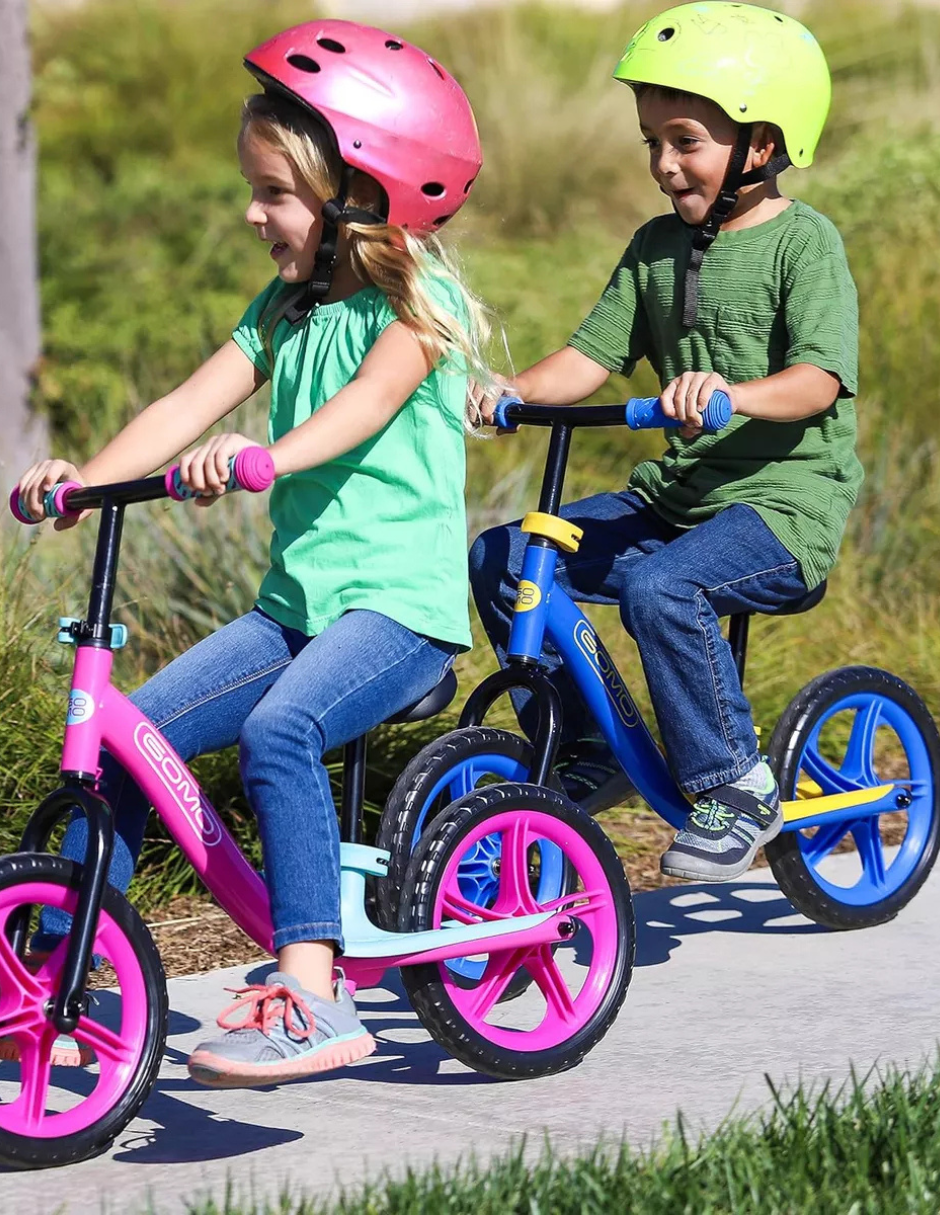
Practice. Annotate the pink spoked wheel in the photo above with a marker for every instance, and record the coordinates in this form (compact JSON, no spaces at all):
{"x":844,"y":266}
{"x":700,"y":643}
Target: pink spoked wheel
{"x":577,"y":987}
{"x":52,"y":1114}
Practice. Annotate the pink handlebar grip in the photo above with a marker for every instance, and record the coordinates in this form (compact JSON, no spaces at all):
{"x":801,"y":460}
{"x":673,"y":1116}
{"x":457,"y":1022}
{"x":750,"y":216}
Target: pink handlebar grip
{"x":16,"y":508}
{"x":253,"y":469}
{"x":59,"y":508}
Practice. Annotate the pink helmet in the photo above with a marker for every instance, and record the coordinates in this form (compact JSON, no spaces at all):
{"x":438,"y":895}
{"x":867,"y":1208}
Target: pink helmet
{"x":393,"y":111}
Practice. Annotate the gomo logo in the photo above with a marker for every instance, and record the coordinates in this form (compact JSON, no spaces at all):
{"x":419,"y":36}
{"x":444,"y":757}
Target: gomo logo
{"x":588,"y":643}
{"x":179,"y":784}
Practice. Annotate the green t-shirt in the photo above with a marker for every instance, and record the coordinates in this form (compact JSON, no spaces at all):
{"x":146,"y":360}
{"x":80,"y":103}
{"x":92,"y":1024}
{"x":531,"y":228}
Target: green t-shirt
{"x":770,"y":297}
{"x":384,"y":526}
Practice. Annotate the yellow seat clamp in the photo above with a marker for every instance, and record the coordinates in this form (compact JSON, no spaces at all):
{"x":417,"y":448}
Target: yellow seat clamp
{"x":566,"y":535}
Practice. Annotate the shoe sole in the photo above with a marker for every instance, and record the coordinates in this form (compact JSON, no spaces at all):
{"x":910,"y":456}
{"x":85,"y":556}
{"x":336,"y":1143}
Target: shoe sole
{"x":722,"y":873}
{"x":214,"y":1071}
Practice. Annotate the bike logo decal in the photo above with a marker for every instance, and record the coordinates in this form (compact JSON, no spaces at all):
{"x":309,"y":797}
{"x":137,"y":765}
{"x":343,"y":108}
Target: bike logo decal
{"x":179,"y":784}
{"x":602,"y":665}
{"x":81,"y":707}
{"x":528,"y":596}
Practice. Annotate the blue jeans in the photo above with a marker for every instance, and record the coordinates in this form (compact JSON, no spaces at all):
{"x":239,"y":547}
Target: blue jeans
{"x":671,"y":585}
{"x":286,"y":699}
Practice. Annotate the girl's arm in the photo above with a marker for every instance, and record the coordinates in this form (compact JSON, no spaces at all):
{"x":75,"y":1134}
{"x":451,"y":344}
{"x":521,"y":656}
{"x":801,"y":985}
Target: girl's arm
{"x":562,"y":378}
{"x":390,"y":373}
{"x":157,"y":434}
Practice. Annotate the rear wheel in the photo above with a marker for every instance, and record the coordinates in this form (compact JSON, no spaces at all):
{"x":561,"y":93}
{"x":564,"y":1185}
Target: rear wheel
{"x":52,"y":1115}
{"x":850,"y":729}
{"x":577,"y":987}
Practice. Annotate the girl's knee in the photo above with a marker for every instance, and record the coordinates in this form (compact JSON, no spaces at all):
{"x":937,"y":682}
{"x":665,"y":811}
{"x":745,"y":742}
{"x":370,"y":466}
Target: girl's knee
{"x":491,"y":555}
{"x":271,"y":728}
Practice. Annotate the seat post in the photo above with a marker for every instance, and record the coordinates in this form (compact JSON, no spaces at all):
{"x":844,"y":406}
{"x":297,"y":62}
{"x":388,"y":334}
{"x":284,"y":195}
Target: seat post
{"x":354,"y":790}
{"x":737,"y":639}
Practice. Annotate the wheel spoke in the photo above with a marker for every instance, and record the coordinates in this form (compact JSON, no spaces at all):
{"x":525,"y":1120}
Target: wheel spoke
{"x":13,"y":974}
{"x":580,"y":902}
{"x":543,"y":968}
{"x":106,"y":1044}
{"x":496,"y":978}
{"x":868,"y":841}
{"x":858,"y":764}
{"x":35,"y":1070}
{"x":818,"y":846}
{"x":514,"y":893}
{"x":830,"y":779}
{"x":459,"y":908}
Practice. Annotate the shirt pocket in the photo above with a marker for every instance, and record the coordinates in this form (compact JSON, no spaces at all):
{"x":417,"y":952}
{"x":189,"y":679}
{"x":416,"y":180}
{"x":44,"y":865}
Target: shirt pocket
{"x":745,"y":339}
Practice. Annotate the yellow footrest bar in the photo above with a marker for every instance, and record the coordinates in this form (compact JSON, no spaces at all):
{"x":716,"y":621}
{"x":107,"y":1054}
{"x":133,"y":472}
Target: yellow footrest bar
{"x":566,"y":535}
{"x":810,"y":807}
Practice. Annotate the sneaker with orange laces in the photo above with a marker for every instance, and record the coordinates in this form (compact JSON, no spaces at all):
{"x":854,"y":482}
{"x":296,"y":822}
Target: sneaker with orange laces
{"x":287,"y":1033}
{"x":66,"y":1052}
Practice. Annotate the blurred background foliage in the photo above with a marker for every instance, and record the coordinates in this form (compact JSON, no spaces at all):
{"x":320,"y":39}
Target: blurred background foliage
{"x":146,"y":264}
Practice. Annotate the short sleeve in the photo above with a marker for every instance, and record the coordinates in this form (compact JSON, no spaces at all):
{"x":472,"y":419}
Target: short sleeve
{"x":615,"y":333}
{"x":821,"y":310}
{"x":247,"y":333}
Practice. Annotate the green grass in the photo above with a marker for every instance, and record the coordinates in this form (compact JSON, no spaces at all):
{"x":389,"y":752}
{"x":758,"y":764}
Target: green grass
{"x":146,"y":263}
{"x":870,"y":1149}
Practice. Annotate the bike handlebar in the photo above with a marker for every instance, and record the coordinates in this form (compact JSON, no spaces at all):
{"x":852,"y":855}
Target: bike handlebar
{"x":639,"y":413}
{"x":251,"y":469}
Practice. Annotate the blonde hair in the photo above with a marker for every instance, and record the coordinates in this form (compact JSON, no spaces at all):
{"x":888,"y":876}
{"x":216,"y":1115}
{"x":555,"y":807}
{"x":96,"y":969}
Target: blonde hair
{"x":385,"y":255}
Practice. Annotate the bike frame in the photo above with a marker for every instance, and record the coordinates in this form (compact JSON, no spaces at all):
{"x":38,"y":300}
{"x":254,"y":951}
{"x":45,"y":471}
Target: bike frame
{"x":101,"y":716}
{"x":543,"y":611}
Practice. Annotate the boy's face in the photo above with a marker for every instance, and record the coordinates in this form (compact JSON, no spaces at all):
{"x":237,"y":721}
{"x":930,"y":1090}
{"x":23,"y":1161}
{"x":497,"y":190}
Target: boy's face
{"x":690,"y":140}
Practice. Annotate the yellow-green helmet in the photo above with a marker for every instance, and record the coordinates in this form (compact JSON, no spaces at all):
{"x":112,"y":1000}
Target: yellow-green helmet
{"x":757,"y":65}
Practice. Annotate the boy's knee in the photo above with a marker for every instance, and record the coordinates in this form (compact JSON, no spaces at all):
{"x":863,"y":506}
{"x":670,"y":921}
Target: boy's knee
{"x":648,"y":595}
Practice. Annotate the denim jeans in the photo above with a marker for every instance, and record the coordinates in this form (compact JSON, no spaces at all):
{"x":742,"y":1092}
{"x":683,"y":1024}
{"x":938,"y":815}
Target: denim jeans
{"x":286,"y":699}
{"x":671,"y":585}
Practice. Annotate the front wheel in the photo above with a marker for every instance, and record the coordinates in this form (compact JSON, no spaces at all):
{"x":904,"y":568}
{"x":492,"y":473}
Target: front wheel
{"x":49,"y":1114}
{"x":577,"y":987}
{"x":851,"y":729}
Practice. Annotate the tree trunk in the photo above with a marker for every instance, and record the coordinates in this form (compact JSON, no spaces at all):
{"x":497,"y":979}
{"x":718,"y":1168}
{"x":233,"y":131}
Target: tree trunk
{"x":23,"y":435}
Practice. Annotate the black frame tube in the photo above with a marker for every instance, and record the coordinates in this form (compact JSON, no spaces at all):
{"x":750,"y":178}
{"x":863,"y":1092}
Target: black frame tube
{"x":737,"y":639}
{"x":567,"y":415}
{"x":69,"y":1002}
{"x":534,"y":680}
{"x":556,"y":463}
{"x":354,"y":790}
{"x":104,"y":575}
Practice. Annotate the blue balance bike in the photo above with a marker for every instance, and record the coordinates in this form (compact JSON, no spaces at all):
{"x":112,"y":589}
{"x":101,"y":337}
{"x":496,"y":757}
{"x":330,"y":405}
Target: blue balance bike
{"x":856,"y":752}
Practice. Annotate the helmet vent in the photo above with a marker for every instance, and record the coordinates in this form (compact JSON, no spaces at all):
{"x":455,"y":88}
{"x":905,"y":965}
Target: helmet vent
{"x":303,"y":63}
{"x":466,"y":188}
{"x":776,"y":18}
{"x":666,"y":34}
{"x":442,"y":219}
{"x":330,"y":44}
{"x":433,"y":189}
{"x":394,"y":45}
{"x":437,"y":69}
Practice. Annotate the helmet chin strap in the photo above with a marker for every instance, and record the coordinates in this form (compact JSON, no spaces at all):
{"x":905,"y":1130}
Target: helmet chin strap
{"x":335,"y":212}
{"x":725,"y":203}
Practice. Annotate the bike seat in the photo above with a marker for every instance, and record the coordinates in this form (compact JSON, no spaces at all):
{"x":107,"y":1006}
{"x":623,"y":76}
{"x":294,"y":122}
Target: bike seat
{"x":429,"y":706}
{"x":795,"y":606}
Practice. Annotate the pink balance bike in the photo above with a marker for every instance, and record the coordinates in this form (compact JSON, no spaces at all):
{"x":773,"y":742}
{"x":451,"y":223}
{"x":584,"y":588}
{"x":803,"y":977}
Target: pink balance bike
{"x":577,"y":947}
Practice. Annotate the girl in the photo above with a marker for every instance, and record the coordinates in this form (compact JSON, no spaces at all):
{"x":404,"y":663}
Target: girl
{"x":357,"y":151}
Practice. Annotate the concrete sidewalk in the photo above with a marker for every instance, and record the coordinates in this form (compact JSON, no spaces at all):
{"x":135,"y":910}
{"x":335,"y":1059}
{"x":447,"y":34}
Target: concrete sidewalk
{"x":729,"y":984}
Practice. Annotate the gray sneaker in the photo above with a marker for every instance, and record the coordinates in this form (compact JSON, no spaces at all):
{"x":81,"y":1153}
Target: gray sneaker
{"x":287,"y":1033}
{"x":723,"y":832}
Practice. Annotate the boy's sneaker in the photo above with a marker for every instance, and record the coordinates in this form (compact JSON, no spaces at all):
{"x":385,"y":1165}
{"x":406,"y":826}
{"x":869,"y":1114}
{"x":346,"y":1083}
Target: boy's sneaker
{"x":591,"y":776}
{"x":287,"y":1033}
{"x":725,"y":828}
{"x":66,"y":1052}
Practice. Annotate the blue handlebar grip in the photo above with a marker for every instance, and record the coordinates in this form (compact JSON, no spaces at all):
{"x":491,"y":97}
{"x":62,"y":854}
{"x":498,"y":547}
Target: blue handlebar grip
{"x":499,"y":413}
{"x":646,"y":413}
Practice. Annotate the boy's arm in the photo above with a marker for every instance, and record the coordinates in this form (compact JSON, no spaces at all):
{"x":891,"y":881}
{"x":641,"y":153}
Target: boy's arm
{"x":171,"y":423}
{"x":800,"y":391}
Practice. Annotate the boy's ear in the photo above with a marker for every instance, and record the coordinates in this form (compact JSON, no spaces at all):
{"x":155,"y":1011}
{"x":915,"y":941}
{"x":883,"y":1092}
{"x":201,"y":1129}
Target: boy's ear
{"x":766,"y":143}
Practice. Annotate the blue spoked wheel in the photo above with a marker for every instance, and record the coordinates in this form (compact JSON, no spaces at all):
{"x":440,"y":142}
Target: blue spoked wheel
{"x":847,"y":730}
{"x":442,"y":773}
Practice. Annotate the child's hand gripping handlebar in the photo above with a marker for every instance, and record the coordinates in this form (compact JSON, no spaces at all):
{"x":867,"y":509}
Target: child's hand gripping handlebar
{"x":252,"y":469}
{"x":639,"y":413}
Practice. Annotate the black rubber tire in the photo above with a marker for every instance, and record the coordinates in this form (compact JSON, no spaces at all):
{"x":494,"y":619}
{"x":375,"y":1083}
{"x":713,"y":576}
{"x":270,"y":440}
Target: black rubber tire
{"x":793,"y":875}
{"x":408,"y":796}
{"x":423,"y":984}
{"x":26,"y":1152}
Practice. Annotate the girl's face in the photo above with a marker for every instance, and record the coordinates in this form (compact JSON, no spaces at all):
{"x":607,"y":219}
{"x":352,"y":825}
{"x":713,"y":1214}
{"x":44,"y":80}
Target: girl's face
{"x":284,"y":210}
{"x":690,"y":140}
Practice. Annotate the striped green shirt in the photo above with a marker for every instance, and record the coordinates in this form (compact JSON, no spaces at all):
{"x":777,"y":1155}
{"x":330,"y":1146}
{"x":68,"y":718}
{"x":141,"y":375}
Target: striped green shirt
{"x":770,"y":297}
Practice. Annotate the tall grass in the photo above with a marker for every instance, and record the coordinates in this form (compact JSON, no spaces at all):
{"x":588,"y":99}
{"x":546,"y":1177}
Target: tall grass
{"x":146,"y":264}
